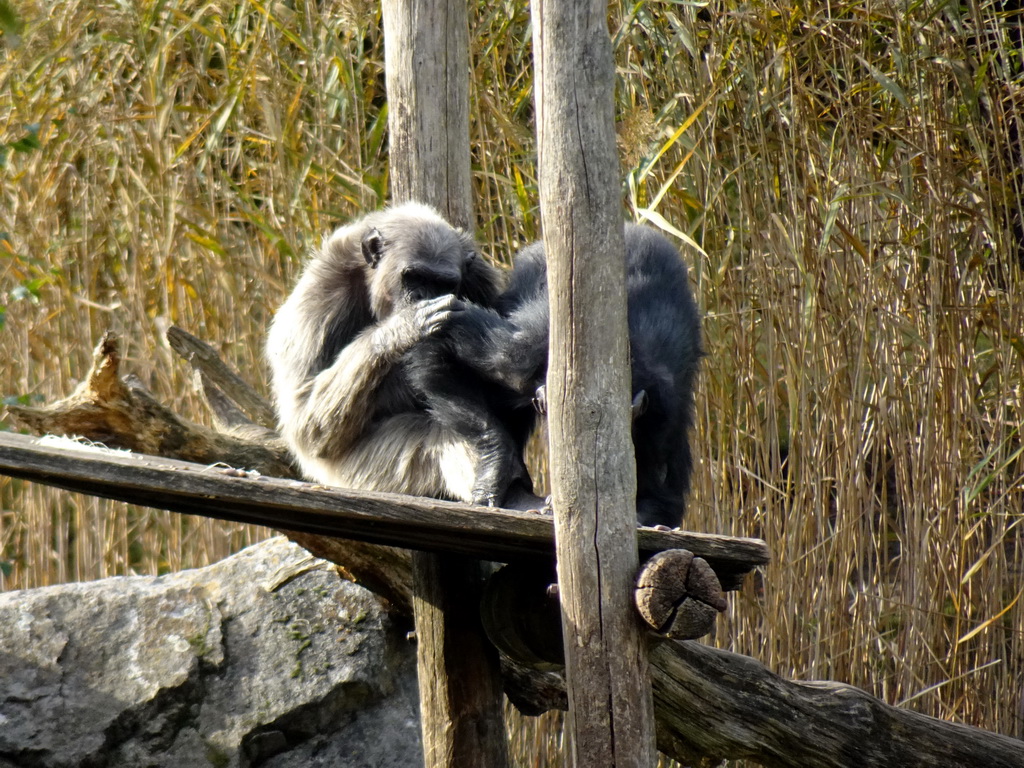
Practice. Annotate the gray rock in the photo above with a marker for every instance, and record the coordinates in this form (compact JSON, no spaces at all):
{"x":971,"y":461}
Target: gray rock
{"x":268,"y":658}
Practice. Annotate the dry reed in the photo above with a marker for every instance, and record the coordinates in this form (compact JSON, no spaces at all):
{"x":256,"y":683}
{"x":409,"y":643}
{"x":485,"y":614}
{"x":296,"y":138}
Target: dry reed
{"x":846,"y":178}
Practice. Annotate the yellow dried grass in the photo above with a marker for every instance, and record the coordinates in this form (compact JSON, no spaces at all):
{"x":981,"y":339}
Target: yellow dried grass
{"x":849,"y":175}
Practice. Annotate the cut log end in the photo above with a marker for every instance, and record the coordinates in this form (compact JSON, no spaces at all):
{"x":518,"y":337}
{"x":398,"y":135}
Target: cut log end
{"x":679,"y":595}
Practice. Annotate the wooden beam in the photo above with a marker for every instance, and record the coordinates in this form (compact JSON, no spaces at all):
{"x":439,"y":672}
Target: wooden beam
{"x":593,"y":472}
{"x":382,"y":518}
{"x":459,"y":674}
{"x":426,"y":45}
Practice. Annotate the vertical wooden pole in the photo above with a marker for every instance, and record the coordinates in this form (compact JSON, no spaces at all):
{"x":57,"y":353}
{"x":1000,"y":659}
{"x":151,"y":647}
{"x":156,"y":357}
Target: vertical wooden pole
{"x":461,"y":699}
{"x":426,"y":44}
{"x":593,"y":474}
{"x":426,"y":68}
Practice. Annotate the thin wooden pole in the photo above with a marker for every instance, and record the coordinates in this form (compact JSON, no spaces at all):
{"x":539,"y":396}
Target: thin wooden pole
{"x":461,"y":699}
{"x":426,"y":68}
{"x":593,"y":475}
{"x":426,"y":45}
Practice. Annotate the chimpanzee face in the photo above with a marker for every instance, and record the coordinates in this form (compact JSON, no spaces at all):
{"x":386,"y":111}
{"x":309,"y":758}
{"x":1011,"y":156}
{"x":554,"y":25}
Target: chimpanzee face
{"x":414,"y":258}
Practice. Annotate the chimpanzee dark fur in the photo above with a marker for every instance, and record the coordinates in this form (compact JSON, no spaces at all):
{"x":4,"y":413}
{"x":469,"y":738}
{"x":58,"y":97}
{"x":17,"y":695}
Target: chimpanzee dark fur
{"x":665,"y":347}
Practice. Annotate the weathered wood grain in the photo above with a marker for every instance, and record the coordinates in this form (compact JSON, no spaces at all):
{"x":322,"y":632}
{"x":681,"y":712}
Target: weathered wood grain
{"x":458,"y":670}
{"x":120,"y":413}
{"x":713,"y":704}
{"x":426,"y":68}
{"x":426,"y":44}
{"x":593,"y":472}
{"x":204,"y":359}
{"x":382,"y":518}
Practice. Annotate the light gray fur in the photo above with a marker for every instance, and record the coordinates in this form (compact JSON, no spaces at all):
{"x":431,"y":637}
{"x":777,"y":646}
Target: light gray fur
{"x":344,"y":412}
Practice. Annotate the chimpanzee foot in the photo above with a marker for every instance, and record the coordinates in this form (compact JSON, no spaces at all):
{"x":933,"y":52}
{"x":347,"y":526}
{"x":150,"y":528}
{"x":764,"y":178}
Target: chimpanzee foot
{"x":540,"y":400}
{"x":522,"y":499}
{"x":483,"y":498}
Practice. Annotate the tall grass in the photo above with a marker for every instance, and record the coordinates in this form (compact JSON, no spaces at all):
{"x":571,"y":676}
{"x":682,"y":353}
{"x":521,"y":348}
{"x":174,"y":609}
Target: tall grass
{"x":843,"y":178}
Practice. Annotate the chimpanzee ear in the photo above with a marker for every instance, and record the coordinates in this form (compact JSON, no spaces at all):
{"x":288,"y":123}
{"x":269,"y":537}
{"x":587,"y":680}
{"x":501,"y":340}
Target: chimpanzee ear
{"x":373,"y":247}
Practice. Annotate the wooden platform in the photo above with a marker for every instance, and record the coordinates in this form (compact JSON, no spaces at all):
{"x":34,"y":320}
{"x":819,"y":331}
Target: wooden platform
{"x":402,"y":521}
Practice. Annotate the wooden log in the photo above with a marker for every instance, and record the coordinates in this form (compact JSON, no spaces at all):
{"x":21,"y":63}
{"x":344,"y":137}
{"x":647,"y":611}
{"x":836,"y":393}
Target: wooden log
{"x":533,"y":692}
{"x":426,"y":46}
{"x":120,"y":413}
{"x":678,"y":595}
{"x":426,"y":70}
{"x":593,"y":472}
{"x":715,"y":705}
{"x":521,"y":614}
{"x":458,"y":670}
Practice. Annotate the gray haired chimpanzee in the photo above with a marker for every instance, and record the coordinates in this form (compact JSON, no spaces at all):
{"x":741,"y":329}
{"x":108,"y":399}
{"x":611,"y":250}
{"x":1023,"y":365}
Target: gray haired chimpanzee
{"x":370,"y":392}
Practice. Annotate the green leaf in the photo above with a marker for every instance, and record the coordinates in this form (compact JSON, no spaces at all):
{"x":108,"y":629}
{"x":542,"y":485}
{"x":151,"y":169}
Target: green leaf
{"x":16,"y":400}
{"x":662,"y":223}
{"x":675,"y":136}
{"x":28,"y":142}
{"x":29,"y":289}
{"x":1017,"y":344}
{"x":886,"y":82}
{"x":981,"y":477}
{"x":10,"y":22}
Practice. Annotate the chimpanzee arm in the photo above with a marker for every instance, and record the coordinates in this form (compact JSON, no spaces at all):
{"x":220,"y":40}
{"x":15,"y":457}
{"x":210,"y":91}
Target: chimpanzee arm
{"x":328,"y":412}
{"x":510,"y":351}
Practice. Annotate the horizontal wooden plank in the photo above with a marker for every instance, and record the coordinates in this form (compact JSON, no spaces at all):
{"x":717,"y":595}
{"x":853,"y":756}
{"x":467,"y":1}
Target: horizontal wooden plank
{"x":402,"y":521}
